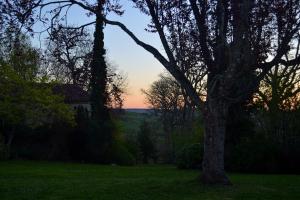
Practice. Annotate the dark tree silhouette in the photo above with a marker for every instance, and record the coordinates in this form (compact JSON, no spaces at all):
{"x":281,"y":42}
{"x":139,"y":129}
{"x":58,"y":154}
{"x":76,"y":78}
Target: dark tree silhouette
{"x":279,"y":90}
{"x":68,"y":60}
{"x":52,"y":14}
{"x":174,"y":110}
{"x":239,"y":42}
{"x":68,"y":56}
{"x":99,"y":70}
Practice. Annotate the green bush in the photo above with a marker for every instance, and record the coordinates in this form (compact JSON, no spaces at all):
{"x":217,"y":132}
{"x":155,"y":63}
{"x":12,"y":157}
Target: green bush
{"x":118,"y":154}
{"x":133,"y":148}
{"x":190,"y":157}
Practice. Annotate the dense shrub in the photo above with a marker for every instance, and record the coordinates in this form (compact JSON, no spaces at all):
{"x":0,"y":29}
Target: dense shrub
{"x":188,"y":135}
{"x":190,"y":156}
{"x":254,"y":154}
{"x":89,"y":141}
{"x":118,"y":154}
{"x":255,"y":147}
{"x":133,"y":148}
{"x":44,"y":143}
{"x":254,"y":143}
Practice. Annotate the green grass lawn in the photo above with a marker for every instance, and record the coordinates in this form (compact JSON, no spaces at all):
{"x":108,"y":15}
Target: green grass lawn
{"x":43,"y":180}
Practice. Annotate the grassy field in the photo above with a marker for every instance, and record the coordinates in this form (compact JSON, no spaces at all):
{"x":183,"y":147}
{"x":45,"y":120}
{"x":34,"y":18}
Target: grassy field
{"x":43,"y":180}
{"x":130,"y":122}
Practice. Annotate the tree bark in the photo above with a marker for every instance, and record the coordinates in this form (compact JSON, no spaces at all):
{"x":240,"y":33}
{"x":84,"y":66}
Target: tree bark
{"x":215,"y":128}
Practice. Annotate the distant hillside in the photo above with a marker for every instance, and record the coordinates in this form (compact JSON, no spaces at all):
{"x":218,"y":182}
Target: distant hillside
{"x":131,"y":120}
{"x":139,"y":110}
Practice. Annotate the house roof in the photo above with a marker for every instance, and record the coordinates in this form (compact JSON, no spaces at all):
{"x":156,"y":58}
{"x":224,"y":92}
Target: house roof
{"x":73,"y":93}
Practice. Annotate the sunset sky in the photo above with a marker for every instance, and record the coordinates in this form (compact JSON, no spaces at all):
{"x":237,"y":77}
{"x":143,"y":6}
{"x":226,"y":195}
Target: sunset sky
{"x":140,"y":67}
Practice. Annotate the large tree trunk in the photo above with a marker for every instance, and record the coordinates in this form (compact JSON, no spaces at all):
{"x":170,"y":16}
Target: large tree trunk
{"x":215,"y":128}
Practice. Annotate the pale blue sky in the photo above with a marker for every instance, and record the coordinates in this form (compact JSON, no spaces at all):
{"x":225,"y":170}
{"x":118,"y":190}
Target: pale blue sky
{"x":140,"y":66}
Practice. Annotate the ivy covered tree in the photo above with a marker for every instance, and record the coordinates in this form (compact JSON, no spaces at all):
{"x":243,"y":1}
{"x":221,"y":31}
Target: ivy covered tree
{"x":68,"y":60}
{"x":99,"y":69}
{"x":53,"y":14}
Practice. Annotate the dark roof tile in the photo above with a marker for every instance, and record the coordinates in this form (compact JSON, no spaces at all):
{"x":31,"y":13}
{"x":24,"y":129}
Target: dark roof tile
{"x":73,"y":93}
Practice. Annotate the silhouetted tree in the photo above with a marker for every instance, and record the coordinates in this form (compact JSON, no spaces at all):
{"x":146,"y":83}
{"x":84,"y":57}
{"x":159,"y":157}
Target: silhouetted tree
{"x":68,"y":55}
{"x":280,"y":89}
{"x":278,"y":103}
{"x":116,"y":87}
{"x":68,"y":59}
{"x":52,"y":14}
{"x":239,"y":43}
{"x":98,"y":79}
{"x":168,"y":100}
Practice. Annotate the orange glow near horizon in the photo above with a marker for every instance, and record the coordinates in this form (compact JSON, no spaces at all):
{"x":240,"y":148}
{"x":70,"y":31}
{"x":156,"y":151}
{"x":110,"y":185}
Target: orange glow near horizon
{"x":140,"y":67}
{"x":135,"y":101}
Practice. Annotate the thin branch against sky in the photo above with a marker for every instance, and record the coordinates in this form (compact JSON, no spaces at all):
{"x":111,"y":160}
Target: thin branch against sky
{"x":142,"y":68}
